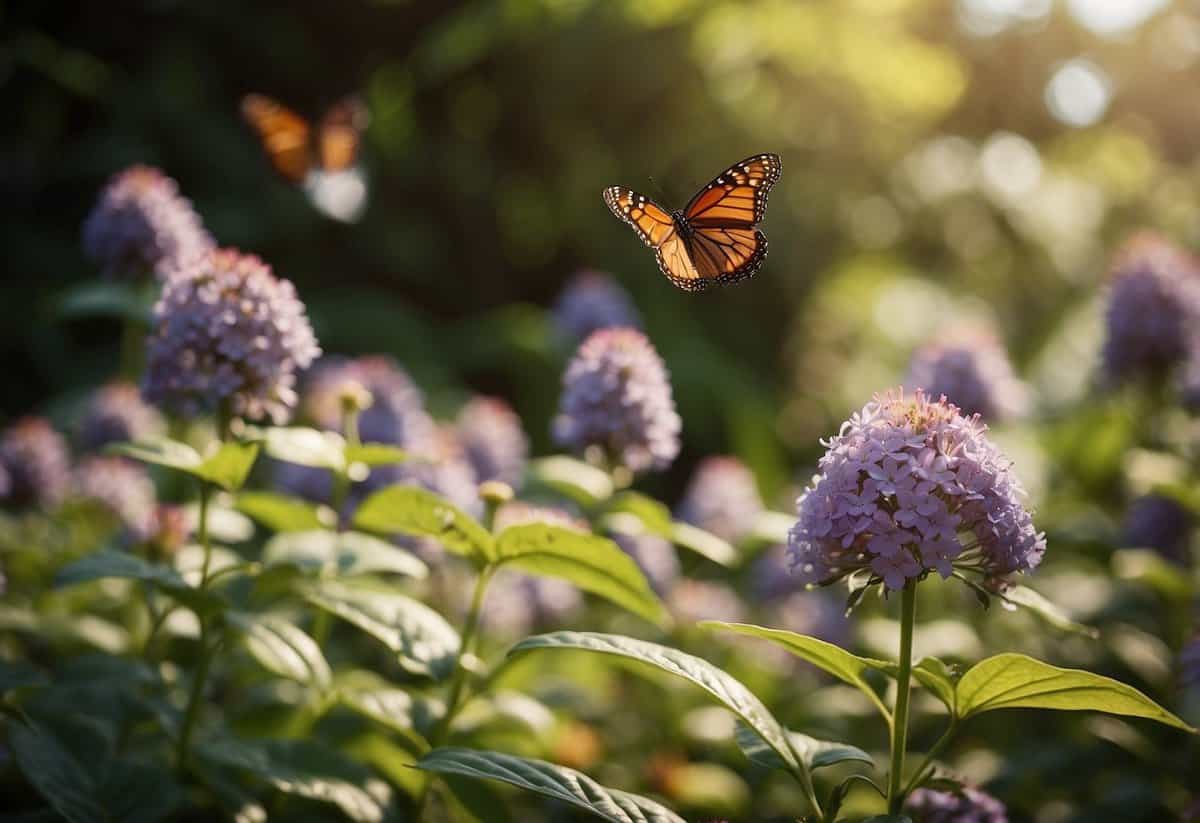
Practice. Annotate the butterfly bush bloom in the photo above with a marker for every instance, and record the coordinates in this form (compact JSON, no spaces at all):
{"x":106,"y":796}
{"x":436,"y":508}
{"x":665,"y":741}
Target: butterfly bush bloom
{"x":1159,"y":522}
{"x":971,"y":368}
{"x":1153,"y":315}
{"x":116,"y":413}
{"x":655,"y":556}
{"x":593,"y":300}
{"x":910,"y":486}
{"x":228,"y":332}
{"x":142,"y":224}
{"x":617,"y":400}
{"x":396,"y":413}
{"x":493,"y":440}
{"x":123,"y":488}
{"x":35,"y":458}
{"x":968,"y":806}
{"x":722,"y":498}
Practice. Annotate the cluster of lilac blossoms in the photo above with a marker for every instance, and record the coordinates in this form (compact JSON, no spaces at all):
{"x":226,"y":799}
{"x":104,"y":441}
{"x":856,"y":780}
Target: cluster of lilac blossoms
{"x":722,"y":498}
{"x":592,"y":301}
{"x":493,"y":440}
{"x":115,"y":413}
{"x":969,"y":805}
{"x":228,"y":334}
{"x":617,"y":402}
{"x":35,"y":462}
{"x":972,"y":369}
{"x":909,"y":486}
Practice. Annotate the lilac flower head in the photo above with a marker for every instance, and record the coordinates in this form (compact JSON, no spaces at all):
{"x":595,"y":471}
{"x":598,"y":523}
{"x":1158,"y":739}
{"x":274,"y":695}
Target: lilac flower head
{"x":971,"y":368}
{"x":116,"y":413}
{"x":123,"y":488}
{"x":396,"y":414}
{"x":1159,"y":522}
{"x":655,"y":556}
{"x":617,"y":401}
{"x":142,"y":224}
{"x":968,"y":806}
{"x":593,"y":300}
{"x":226,"y":330}
{"x":36,"y":460}
{"x":722,"y":498}
{"x":493,"y":440}
{"x":1153,"y":308}
{"x":910,"y":486}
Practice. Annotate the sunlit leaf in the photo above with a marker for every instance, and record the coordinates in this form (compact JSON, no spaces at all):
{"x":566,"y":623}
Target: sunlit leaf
{"x":706,"y":544}
{"x":280,"y":513}
{"x":229,"y":465}
{"x":226,"y":467}
{"x":305,"y":447}
{"x":1033,"y":601}
{"x":397,"y":709}
{"x":105,"y":564}
{"x":161,"y":451}
{"x":573,"y":478}
{"x":814,"y":753}
{"x":283,"y":649}
{"x":341,"y":553}
{"x":376,"y":454}
{"x":419,"y":513}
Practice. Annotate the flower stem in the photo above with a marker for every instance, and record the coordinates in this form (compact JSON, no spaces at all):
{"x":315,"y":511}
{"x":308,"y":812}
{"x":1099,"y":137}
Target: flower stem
{"x":908,"y":615}
{"x":933,"y":752}
{"x":207,"y":649}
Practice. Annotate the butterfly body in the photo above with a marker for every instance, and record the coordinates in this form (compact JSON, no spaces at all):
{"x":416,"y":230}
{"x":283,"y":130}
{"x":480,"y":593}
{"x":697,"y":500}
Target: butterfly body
{"x":714,"y":239}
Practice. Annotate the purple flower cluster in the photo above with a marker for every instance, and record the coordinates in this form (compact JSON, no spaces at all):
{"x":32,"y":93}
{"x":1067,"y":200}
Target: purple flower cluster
{"x":968,"y":806}
{"x":617,"y":404}
{"x":722,"y":498}
{"x":116,"y":413}
{"x":1153,"y":316}
{"x":37,"y":463}
{"x":900,"y":486}
{"x":123,"y":488}
{"x":655,"y":556}
{"x":227,"y":332}
{"x":494,"y":442}
{"x":971,"y":368}
{"x":1159,"y":522}
{"x":141,"y":224}
{"x":592,"y":301}
{"x":396,"y":414}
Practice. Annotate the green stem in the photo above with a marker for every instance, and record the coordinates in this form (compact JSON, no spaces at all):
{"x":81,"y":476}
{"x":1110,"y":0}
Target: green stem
{"x":207,"y":649}
{"x":908,"y":615}
{"x":806,"y":785}
{"x":933,"y":752}
{"x":202,"y":533}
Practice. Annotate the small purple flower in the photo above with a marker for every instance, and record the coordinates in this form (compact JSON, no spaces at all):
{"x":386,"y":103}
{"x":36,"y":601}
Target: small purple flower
{"x":616,"y":402}
{"x":116,"y":413}
{"x":493,"y":440}
{"x":36,"y":460}
{"x":655,"y":556}
{"x":722,"y":498}
{"x":123,"y":488}
{"x":1153,"y":315}
{"x":691,"y":601}
{"x":770,"y":575}
{"x":592,"y":301}
{"x":900,"y":485}
{"x":228,"y":332}
{"x":141,"y":224}
{"x":396,"y":414}
{"x":1159,"y":522}
{"x":971,"y":368}
{"x":967,"y":806}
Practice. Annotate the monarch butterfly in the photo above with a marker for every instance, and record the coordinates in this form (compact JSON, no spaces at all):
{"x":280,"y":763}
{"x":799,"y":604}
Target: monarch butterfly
{"x":289,"y":141}
{"x":714,"y":239}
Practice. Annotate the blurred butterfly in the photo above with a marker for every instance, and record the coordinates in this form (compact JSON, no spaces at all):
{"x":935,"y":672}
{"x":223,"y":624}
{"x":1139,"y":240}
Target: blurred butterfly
{"x":323,"y":160}
{"x":714,"y":239}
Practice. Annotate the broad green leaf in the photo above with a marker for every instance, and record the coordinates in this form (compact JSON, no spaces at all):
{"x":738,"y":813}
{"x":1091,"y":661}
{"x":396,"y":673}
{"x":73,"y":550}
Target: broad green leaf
{"x":161,"y":451}
{"x":813,"y":753}
{"x":229,"y":465}
{"x":280,"y":513}
{"x":594,"y":564}
{"x":423,"y":641}
{"x":17,"y":674}
{"x":387,"y":704}
{"x":414,"y":511}
{"x":139,"y":792}
{"x":718,"y":683}
{"x":1012,"y":681}
{"x":654,"y":516}
{"x":771,"y":527}
{"x":283,"y":649}
{"x":1043,"y":608}
{"x":55,"y":773}
{"x":225,"y":524}
{"x":847,"y":667}
{"x":581,"y":482}
{"x":105,"y":563}
{"x":376,"y":454}
{"x":705,"y":544}
{"x":939,"y":678}
{"x":341,"y":553}
{"x":549,"y":780}
{"x":106,"y":298}
{"x":305,"y":447}
{"x":304,"y":769}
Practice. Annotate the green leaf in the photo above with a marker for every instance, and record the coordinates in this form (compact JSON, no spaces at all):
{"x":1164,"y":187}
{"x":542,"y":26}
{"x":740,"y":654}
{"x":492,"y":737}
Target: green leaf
{"x":847,"y":667}
{"x":280,"y":513}
{"x":573,"y":478}
{"x":283,"y":649}
{"x":105,"y":298}
{"x":721,"y":685}
{"x":594,"y":564}
{"x":305,"y":447}
{"x":137,"y":792}
{"x":376,"y":454}
{"x":813,"y":753}
{"x":375,"y":698}
{"x":771,"y":528}
{"x":419,"y":513}
{"x":654,"y":517}
{"x":1012,"y":681}
{"x":705,"y":544}
{"x":939,"y":678}
{"x":341,"y":553}
{"x":55,"y":773}
{"x":161,"y":451}
{"x":1043,"y":608}
{"x":549,"y":780}
{"x":229,"y":466}
{"x":17,"y":674}
{"x":423,"y":641}
{"x":105,"y":564}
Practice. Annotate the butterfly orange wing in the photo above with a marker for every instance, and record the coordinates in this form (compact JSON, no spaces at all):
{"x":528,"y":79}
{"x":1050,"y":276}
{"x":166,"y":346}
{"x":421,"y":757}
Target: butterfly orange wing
{"x":285,"y":135}
{"x":737,"y":197}
{"x":656,"y":228}
{"x":340,"y":135}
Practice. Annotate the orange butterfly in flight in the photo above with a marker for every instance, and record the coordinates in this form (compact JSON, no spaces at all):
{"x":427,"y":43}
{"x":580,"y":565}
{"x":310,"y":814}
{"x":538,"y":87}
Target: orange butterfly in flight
{"x":715,"y":238}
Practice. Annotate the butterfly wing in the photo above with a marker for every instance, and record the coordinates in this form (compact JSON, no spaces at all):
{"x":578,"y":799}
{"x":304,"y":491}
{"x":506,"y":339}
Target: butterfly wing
{"x":737,"y":197}
{"x":726,"y":255}
{"x":285,"y":135}
{"x":656,"y":228}
{"x":339,"y":135}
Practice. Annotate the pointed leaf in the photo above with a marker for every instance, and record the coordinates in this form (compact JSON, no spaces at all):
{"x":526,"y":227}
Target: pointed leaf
{"x":814,"y":753}
{"x":654,"y":517}
{"x":55,"y":773}
{"x":1043,"y":608}
{"x":573,"y":478}
{"x":376,"y":454}
{"x":1010,"y":681}
{"x":105,"y":564}
{"x":414,"y":511}
{"x":283,"y":649}
{"x":549,"y":780}
{"x":229,"y":465}
{"x":705,"y":544}
{"x":280,"y":513}
{"x":719,"y":684}
{"x":305,"y":447}
{"x":341,"y":553}
{"x":161,"y":451}
{"x":421,"y":638}
{"x":375,"y":698}
{"x":594,"y":564}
